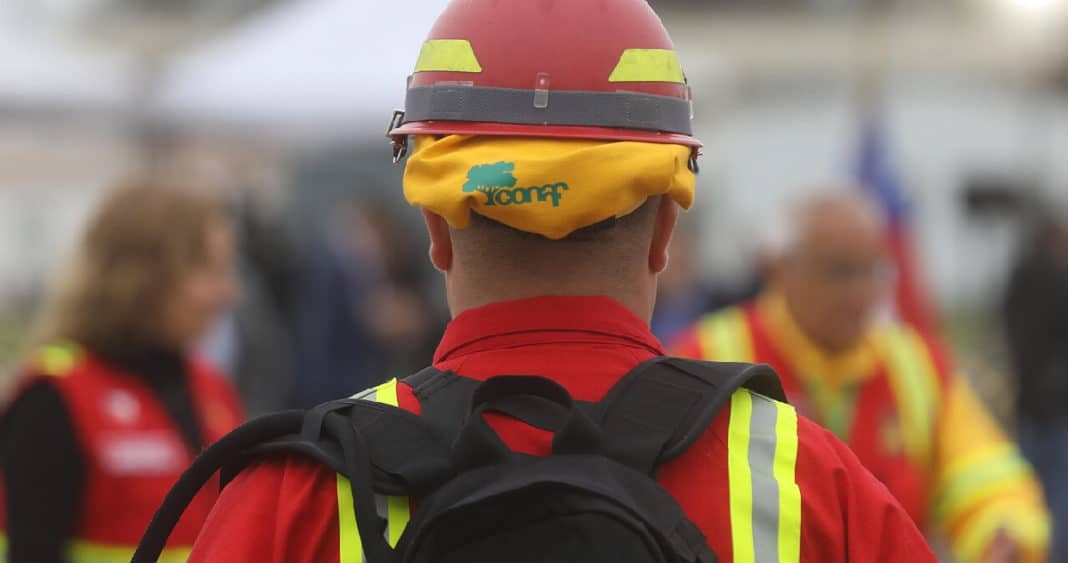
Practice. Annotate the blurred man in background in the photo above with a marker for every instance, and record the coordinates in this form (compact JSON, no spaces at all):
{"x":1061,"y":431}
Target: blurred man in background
{"x":1036,"y":324}
{"x":113,"y":405}
{"x":683,"y":295}
{"x":362,"y":314}
{"x":881,"y":387}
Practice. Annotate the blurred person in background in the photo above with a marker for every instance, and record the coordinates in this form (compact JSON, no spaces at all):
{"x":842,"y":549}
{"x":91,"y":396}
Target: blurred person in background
{"x":682,"y":295}
{"x":254,"y":342}
{"x":334,"y":348}
{"x":362,"y":312}
{"x":112,"y":406}
{"x":1036,"y":324}
{"x":880,"y":386}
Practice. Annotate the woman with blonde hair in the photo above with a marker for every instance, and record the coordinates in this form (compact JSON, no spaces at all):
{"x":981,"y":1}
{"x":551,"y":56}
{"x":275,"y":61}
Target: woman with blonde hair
{"x":112,"y":404}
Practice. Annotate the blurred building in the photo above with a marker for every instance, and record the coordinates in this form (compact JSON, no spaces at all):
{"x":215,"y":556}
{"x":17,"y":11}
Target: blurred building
{"x":284,"y":103}
{"x":972,"y":95}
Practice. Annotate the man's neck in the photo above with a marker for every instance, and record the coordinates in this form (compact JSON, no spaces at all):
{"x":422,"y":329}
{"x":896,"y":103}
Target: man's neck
{"x":463,"y":297}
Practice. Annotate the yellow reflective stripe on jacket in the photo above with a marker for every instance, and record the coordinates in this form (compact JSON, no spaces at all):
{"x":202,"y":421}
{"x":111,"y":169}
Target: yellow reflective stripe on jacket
{"x":1030,"y":528}
{"x":91,"y":552}
{"x":981,"y":482}
{"x":349,"y":544}
{"x":725,"y":336}
{"x":56,"y":359}
{"x":85,"y":552}
{"x":915,"y":386}
{"x":972,"y":480}
{"x":765,"y":501}
{"x":785,"y":474}
{"x":395,"y":510}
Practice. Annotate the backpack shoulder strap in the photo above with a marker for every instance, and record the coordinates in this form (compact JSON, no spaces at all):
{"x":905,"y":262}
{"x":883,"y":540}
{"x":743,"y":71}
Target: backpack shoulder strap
{"x":444,"y":398}
{"x":380,"y":448}
{"x":407,"y":450}
{"x":227,"y":450}
{"x":445,"y":402}
{"x":651,"y":416}
{"x":660,"y":408}
{"x":407,"y":455}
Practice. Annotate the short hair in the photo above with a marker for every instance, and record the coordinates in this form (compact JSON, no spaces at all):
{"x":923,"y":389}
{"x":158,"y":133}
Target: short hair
{"x":608,"y":242}
{"x":591,"y":233}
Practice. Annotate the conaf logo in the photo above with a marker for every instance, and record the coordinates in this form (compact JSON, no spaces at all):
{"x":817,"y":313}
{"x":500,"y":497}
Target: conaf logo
{"x":498,"y":184}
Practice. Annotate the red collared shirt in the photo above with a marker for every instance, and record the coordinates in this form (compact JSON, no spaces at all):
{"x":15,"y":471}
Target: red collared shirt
{"x":285,"y":510}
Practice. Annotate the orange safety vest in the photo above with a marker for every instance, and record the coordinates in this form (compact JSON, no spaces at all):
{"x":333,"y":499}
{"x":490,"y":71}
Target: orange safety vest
{"x":888,"y":417}
{"x":133,"y":452}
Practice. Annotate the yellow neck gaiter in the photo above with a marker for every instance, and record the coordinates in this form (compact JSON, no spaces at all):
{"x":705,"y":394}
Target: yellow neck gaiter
{"x":813,"y":364}
{"x":550,"y":187}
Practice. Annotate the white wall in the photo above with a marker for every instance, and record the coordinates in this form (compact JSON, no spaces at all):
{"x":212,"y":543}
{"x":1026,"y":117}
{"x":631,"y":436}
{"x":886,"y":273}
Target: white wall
{"x":50,"y":180}
{"x":766,"y":147}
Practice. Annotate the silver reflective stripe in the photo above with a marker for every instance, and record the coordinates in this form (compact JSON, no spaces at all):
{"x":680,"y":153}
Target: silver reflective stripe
{"x":762,"y":442}
{"x":765,"y":501}
{"x":382,"y":508}
{"x":620,"y":109}
{"x":367,"y":395}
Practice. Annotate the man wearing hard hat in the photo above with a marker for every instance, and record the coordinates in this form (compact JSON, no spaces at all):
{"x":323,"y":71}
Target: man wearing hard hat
{"x":552,"y":154}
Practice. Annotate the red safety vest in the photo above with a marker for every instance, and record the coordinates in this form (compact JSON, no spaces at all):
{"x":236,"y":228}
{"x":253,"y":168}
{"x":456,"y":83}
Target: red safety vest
{"x":891,"y":414}
{"x":133,"y":451}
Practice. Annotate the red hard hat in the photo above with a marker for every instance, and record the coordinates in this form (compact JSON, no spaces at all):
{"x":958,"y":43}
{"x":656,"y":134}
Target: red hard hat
{"x":586,"y":69}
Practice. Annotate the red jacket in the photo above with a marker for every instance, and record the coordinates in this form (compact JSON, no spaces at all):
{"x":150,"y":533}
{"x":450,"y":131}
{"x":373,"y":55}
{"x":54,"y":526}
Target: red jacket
{"x":133,"y":451}
{"x":828,"y":509}
{"x":913,"y":422}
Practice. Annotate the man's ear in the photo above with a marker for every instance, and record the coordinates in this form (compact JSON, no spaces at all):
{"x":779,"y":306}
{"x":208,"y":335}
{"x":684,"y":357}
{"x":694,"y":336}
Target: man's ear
{"x":667,"y":216}
{"x":440,"y":240}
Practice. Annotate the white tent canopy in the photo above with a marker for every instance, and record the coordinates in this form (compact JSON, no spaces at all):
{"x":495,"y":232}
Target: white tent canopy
{"x":41,"y":70}
{"x":305,"y":67}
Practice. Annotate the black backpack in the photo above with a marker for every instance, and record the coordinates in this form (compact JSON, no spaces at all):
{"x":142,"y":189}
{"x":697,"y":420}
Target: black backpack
{"x":594,"y":500}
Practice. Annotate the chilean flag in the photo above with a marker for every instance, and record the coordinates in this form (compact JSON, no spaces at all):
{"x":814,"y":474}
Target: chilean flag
{"x":877,"y":177}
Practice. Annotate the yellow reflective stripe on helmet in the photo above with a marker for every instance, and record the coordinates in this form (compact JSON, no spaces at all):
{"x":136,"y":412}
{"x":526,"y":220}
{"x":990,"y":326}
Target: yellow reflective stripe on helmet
{"x":765,"y":501}
{"x":56,"y":359}
{"x":447,"y":55}
{"x":724,"y":336}
{"x":396,"y":510}
{"x":915,"y":386}
{"x":648,"y":65}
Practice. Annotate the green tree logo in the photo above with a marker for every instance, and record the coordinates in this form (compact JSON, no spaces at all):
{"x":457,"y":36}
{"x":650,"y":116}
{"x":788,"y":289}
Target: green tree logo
{"x":489,"y":178}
